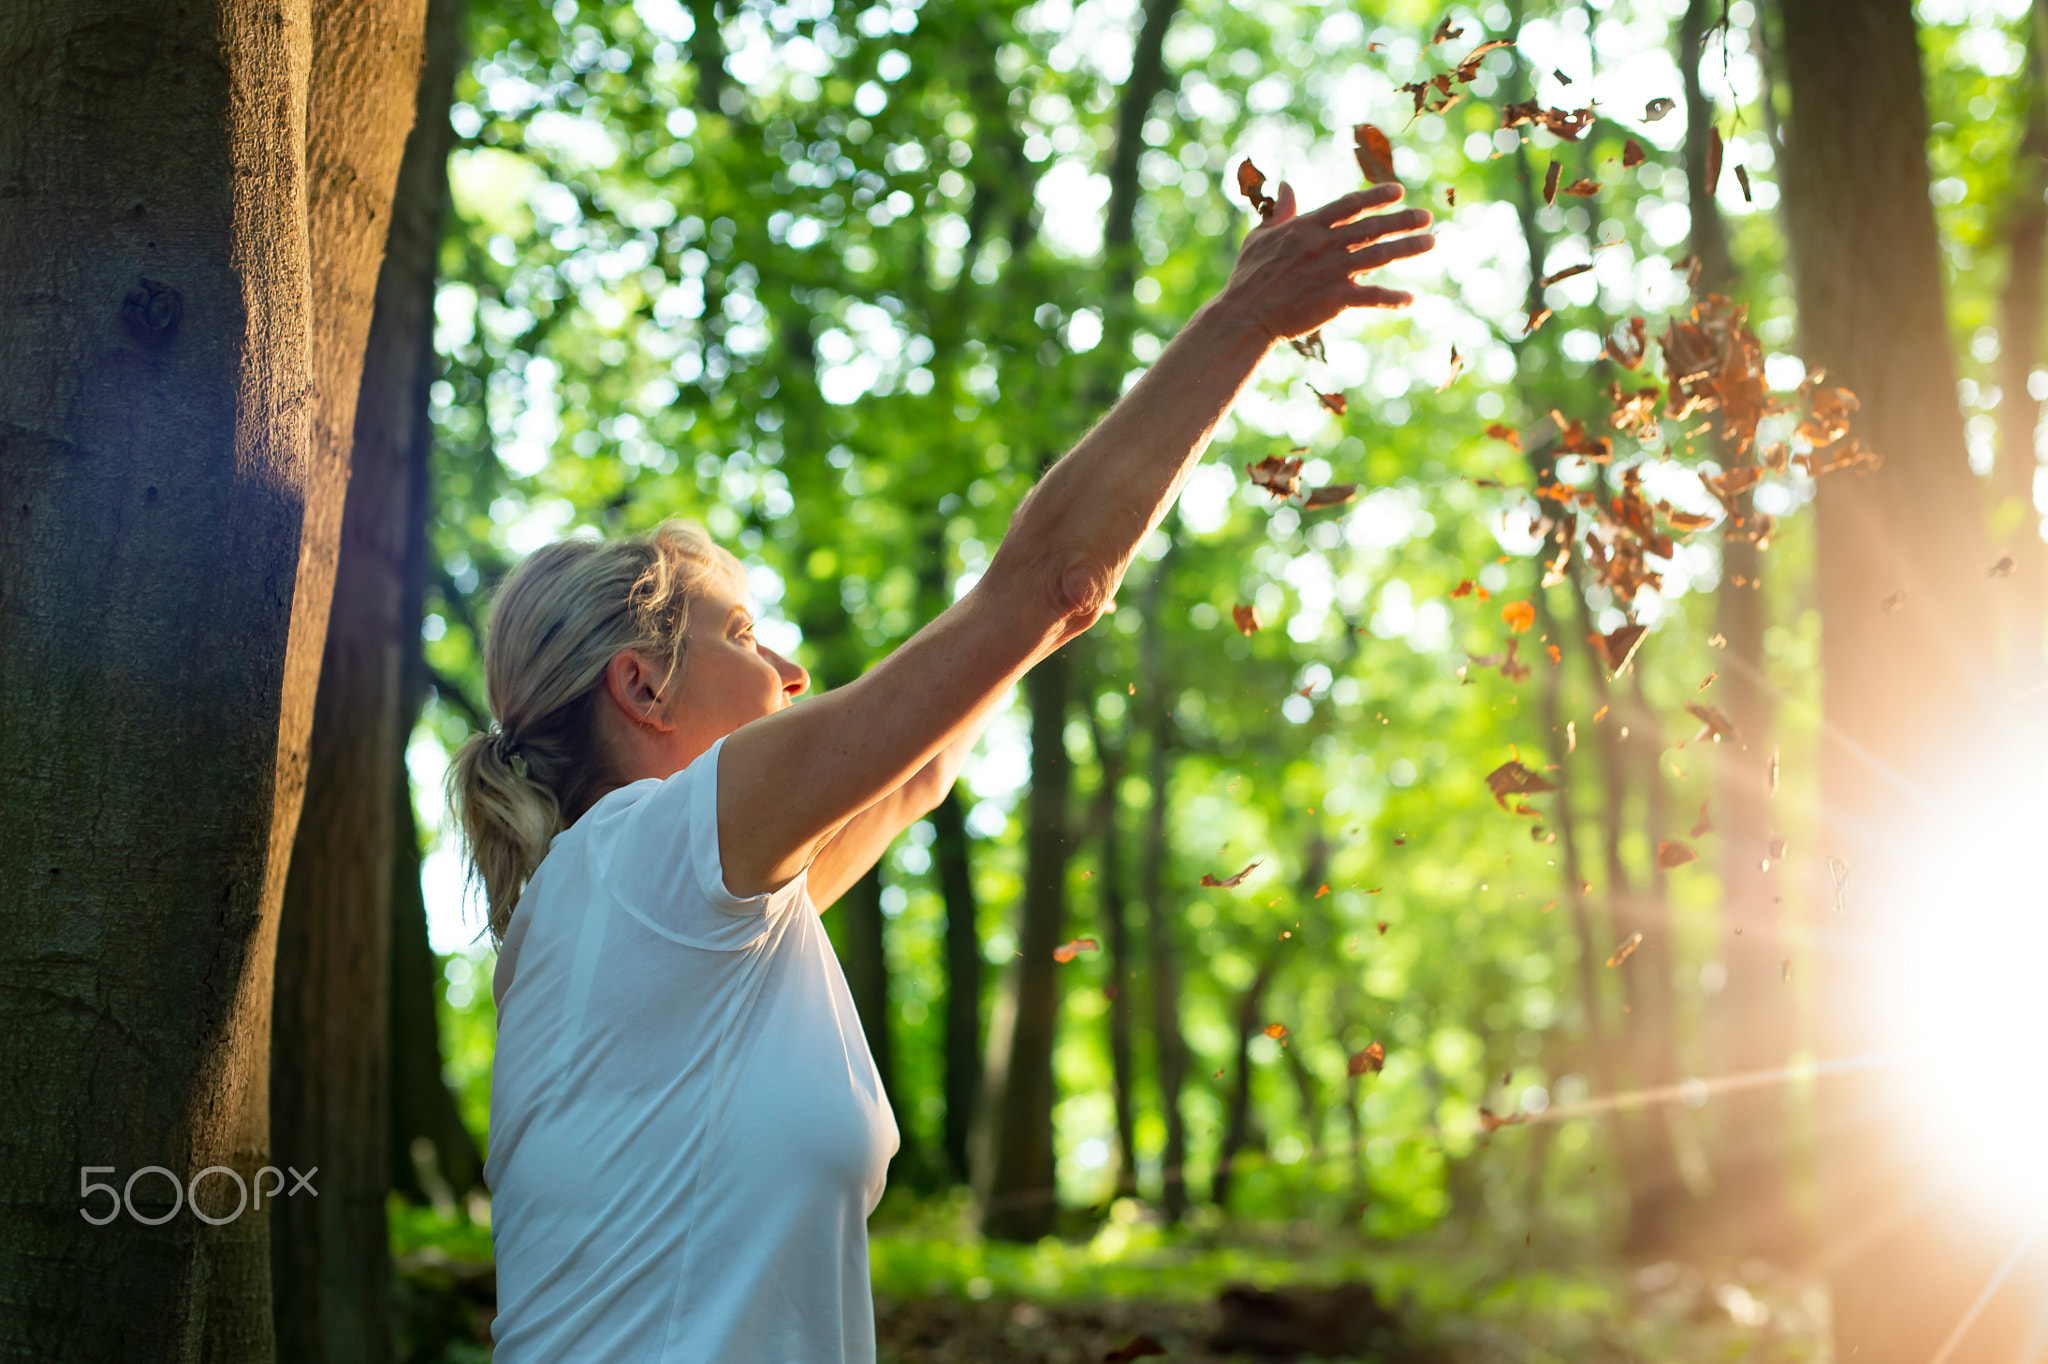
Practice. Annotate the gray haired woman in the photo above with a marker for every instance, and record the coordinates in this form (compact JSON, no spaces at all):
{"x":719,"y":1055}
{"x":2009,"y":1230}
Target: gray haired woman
{"x":687,"y":1133}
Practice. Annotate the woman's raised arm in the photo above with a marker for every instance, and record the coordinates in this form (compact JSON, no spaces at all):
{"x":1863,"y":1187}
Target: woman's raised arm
{"x":787,"y":782}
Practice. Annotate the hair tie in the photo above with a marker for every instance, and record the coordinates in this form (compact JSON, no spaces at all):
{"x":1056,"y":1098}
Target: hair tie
{"x":504,"y":750}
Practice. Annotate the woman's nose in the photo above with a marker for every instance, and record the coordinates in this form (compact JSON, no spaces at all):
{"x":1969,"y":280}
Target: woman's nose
{"x":794,"y":678}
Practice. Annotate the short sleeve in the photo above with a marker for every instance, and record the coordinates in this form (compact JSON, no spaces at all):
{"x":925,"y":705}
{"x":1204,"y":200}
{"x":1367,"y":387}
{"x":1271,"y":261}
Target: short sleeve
{"x":664,"y":865}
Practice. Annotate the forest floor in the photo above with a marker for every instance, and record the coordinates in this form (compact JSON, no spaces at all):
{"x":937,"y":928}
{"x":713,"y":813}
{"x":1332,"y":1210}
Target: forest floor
{"x":1231,"y":1291}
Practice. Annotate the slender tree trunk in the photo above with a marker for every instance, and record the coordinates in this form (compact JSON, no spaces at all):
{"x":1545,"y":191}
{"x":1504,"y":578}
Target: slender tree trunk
{"x":1022,"y":1196}
{"x":1904,"y":690}
{"x":1752,"y":1021}
{"x":330,"y":1257}
{"x":1122,"y":970}
{"x":2022,"y":646}
{"x":196,"y":208}
{"x":1237,"y":1125}
{"x":867,"y":978}
{"x":1162,"y":919}
{"x":951,"y":853}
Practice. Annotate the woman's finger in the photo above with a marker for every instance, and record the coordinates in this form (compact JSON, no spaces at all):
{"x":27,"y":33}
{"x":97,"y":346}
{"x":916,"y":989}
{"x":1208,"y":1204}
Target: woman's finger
{"x":1283,"y":204}
{"x":1373,"y":296}
{"x":1340,"y":211}
{"x":1385,"y":225}
{"x":1385,"y":253}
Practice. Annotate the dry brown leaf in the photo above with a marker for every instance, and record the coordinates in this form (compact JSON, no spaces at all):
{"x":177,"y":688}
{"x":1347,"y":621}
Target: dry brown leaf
{"x":1310,"y":347}
{"x":1444,"y":32}
{"x":1550,"y":179}
{"x":1252,"y":185}
{"x":1658,"y":108}
{"x":1368,"y":1062}
{"x":1457,"y":367}
{"x":1717,"y":724}
{"x":1375,"y":154}
{"x":1335,"y":495}
{"x":1537,"y":317}
{"x":1276,"y":1031}
{"x":1701,"y":826}
{"x":1228,"y":882}
{"x":1489,"y":1121}
{"x":1583,"y":188}
{"x":1335,"y":402}
{"x":2003,"y":568}
{"x":1468,"y":68}
{"x":1501,"y":431}
{"x":1626,"y":345}
{"x":1617,"y":650}
{"x":1632,"y":154}
{"x":1280,"y":477}
{"x":1556,"y":275}
{"x":1519,"y":616}
{"x":1714,"y":150}
{"x":1626,"y":950}
{"x":1742,"y":179}
{"x":1513,"y":779}
{"x":1672,"y":855}
{"x":1067,"y":951}
{"x":1246,"y":618}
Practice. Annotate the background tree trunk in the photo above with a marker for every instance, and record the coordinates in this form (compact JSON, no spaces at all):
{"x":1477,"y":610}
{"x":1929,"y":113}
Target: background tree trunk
{"x":197,"y":209}
{"x":1904,"y":690}
{"x":1116,"y":929}
{"x":1751,"y":1022}
{"x":951,"y":854}
{"x":330,"y":1257}
{"x":1022,"y":1196}
{"x":1169,"y":1046}
{"x":1237,"y":1125}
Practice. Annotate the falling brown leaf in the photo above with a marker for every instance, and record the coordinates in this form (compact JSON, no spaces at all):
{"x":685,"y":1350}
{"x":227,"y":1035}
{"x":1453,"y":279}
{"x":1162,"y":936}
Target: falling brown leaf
{"x":1252,"y":185}
{"x":1674,"y":854}
{"x":1276,"y":1031}
{"x":1280,"y":477}
{"x":1335,"y":495}
{"x":1562,"y":78}
{"x":1573,"y":439}
{"x":1450,"y":196}
{"x":2003,"y":568}
{"x":1465,"y":588}
{"x":1537,"y":317}
{"x":1550,"y":179}
{"x":1228,"y":882}
{"x":1626,"y":950}
{"x":1444,"y":32}
{"x":1568,"y":126}
{"x":1368,"y":1062}
{"x":1701,"y":826}
{"x":1617,"y":650}
{"x":1742,"y":179}
{"x":1716,"y":723}
{"x":1513,"y":779}
{"x":1310,"y":347}
{"x":1519,"y":615}
{"x":1382,"y":924}
{"x":1375,"y":154}
{"x":1632,"y":154}
{"x":1489,"y":1121}
{"x":1457,"y":367}
{"x":1714,"y":150}
{"x":1658,"y":107}
{"x":1468,"y":68}
{"x":1583,"y":188}
{"x":1139,"y":1346}
{"x":1067,"y":951}
{"x":1625,"y":346}
{"x":1335,"y":402}
{"x":1321,"y":891}
{"x":1246,"y":618}
{"x":1554,"y":276}
{"x":1501,"y":431}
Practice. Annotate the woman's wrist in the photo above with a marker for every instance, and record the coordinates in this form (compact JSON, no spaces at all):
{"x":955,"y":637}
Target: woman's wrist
{"x":1229,"y":314}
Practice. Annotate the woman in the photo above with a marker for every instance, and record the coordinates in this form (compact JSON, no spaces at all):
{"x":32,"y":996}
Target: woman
{"x":687,"y":1132}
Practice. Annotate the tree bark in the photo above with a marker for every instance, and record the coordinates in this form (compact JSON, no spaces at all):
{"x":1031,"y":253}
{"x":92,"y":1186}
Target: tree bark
{"x":951,"y":853}
{"x":1169,"y":1046}
{"x":1116,"y":927}
{"x":1237,"y":1126}
{"x":196,"y":207}
{"x":1751,"y":1021}
{"x":1022,"y":1196}
{"x":1902,"y":690}
{"x":330,"y":1257}
{"x":2022,"y":646}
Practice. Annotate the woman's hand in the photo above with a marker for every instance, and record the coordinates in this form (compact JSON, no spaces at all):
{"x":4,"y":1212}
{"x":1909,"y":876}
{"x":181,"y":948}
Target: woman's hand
{"x":1297,"y":272}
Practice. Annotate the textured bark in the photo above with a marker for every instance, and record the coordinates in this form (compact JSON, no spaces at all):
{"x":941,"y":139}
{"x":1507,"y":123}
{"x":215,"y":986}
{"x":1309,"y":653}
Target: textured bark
{"x":330,"y":1257}
{"x":195,"y":207}
{"x":1022,"y":1198}
{"x":1237,"y":1124}
{"x":2022,"y":647}
{"x":1116,"y":928}
{"x":1906,"y":692}
{"x":951,"y":854}
{"x":1751,"y":1023}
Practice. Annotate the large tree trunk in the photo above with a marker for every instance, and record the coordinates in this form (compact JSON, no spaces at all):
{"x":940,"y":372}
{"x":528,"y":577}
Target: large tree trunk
{"x":1751,"y":1022}
{"x":952,"y":856}
{"x":1905,"y":693}
{"x":1021,"y":1197}
{"x":196,"y":210}
{"x":2022,"y":646}
{"x":330,"y":1257}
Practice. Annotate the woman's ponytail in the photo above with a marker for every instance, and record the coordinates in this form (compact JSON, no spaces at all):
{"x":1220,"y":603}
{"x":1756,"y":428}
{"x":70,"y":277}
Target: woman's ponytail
{"x":556,"y":624}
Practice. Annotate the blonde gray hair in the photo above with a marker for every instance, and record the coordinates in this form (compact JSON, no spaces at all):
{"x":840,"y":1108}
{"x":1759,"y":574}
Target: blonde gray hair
{"x":558,"y":620}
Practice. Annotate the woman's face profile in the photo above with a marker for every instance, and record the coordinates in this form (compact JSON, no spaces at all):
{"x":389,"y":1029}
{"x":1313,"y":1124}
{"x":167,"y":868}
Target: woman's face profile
{"x":730,"y":677}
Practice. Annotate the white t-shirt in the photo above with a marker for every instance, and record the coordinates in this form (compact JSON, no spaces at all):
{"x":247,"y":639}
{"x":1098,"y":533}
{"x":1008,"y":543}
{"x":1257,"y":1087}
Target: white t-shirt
{"x":687,"y":1130}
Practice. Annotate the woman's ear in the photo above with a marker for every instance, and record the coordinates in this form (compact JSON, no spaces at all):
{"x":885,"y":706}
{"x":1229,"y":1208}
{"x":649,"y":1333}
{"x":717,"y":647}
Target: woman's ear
{"x":633,"y":681}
